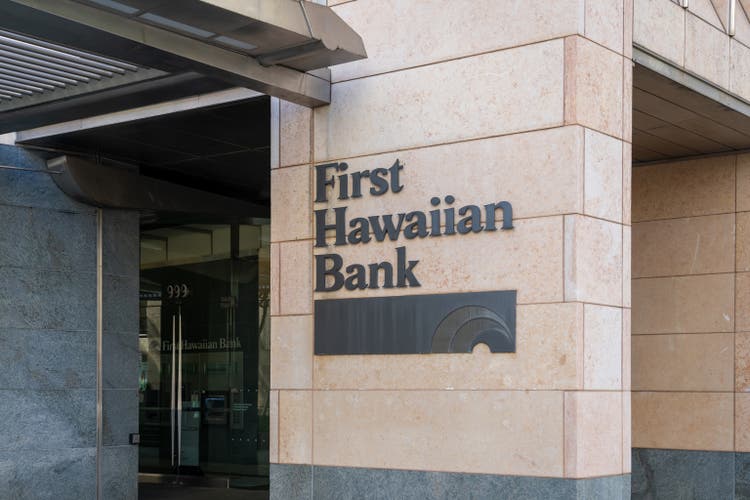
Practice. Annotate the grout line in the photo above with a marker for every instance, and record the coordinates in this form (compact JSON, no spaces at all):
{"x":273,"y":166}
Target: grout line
{"x":734,"y":334}
{"x":330,"y":234}
{"x":564,"y":430}
{"x":312,"y":302}
{"x":475,"y":54}
{"x":563,"y":260}
{"x":679,"y":333}
{"x":583,"y":346}
{"x":636,"y":222}
{"x":724,"y":273}
{"x":560,"y":124}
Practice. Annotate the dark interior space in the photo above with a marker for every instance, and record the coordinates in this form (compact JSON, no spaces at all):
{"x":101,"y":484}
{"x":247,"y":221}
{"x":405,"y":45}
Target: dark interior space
{"x":223,"y":149}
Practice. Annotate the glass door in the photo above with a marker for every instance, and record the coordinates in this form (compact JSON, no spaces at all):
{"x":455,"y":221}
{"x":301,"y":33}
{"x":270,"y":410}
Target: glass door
{"x":205,"y":351}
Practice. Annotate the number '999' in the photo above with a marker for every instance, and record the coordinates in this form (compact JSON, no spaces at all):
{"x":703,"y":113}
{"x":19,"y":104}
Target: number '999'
{"x":178,"y":291}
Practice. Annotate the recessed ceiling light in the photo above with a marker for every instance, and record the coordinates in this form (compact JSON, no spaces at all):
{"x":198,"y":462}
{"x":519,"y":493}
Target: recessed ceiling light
{"x":119,"y":7}
{"x":234,"y":43}
{"x":176,"y":25}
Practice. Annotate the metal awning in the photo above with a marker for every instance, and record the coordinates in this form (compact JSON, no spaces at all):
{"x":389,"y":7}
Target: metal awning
{"x":109,"y":54}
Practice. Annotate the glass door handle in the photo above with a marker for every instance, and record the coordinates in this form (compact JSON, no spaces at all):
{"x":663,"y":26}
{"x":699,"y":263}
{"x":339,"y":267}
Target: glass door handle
{"x":172,"y":405}
{"x":179,"y":385}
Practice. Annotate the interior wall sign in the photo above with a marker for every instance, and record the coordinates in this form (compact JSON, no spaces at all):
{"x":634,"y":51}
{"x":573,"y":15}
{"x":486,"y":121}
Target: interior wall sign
{"x":442,"y":220}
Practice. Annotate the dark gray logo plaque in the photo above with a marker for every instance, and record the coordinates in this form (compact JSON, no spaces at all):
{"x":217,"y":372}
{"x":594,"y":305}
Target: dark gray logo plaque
{"x":416,"y":324}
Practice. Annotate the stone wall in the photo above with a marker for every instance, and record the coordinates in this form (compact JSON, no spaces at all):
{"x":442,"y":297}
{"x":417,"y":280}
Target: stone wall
{"x":48,"y":341}
{"x":690,"y":348}
{"x":697,"y":39}
{"x":517,"y":100}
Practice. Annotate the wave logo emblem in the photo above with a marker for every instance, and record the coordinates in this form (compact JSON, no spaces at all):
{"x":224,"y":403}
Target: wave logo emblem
{"x":463,"y":328}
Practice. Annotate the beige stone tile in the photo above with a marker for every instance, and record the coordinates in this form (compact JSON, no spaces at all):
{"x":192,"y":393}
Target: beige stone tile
{"x":294,"y":134}
{"x":739,"y":69}
{"x":295,"y":427}
{"x":593,"y":260}
{"x":291,"y":352}
{"x":627,"y":444}
{"x":706,"y":11}
{"x":686,"y":304}
{"x":683,"y":362}
{"x":742,"y":361}
{"x":527,"y":258}
{"x":593,"y":434}
{"x":603,"y":176}
{"x":440,"y":30}
{"x":627,"y":346}
{"x":295,"y":277}
{"x":430,"y":105}
{"x":707,"y":51}
{"x":743,"y":181}
{"x":742,"y":422}
{"x":743,"y":241}
{"x":275,"y":275}
{"x":604,"y":23}
{"x":540,"y":173}
{"x":274,"y":132}
{"x":692,"y":245}
{"x":743,"y":301}
{"x":548,"y":356}
{"x":627,"y":100}
{"x":273,"y":424}
{"x":593,"y":86}
{"x":683,"y":420}
{"x":602,"y":348}
{"x":742,"y":25}
{"x":627,"y":265}
{"x":628,"y":29}
{"x":506,"y":432}
{"x":627,"y":183}
{"x":659,"y":26}
{"x":291,"y":215}
{"x":684,"y":189}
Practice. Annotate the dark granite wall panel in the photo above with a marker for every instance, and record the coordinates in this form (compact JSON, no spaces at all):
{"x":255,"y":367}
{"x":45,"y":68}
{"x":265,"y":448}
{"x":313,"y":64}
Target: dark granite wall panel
{"x":120,"y":355}
{"x":47,"y":299}
{"x":48,"y":340}
{"x":44,"y":359}
{"x":742,"y":476}
{"x":120,"y":473}
{"x":47,"y":336}
{"x":48,"y":475}
{"x":685,"y":474}
{"x":291,"y":482}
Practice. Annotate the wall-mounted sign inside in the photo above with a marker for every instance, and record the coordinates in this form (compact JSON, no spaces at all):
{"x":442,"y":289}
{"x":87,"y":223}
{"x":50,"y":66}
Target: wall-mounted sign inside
{"x":444,"y":220}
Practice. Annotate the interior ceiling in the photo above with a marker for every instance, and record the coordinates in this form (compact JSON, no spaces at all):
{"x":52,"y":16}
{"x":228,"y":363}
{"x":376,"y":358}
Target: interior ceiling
{"x":223,"y":149}
{"x":673,"y":121}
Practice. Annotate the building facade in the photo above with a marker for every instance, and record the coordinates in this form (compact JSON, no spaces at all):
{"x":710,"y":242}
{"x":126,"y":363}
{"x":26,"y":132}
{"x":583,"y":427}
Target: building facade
{"x":504,"y":255}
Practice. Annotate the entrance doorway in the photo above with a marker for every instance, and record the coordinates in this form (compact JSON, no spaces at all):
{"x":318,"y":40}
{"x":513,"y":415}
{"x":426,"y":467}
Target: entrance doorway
{"x":205,"y":352}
